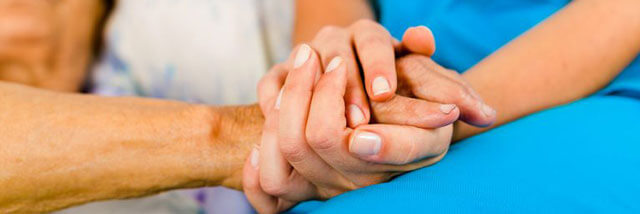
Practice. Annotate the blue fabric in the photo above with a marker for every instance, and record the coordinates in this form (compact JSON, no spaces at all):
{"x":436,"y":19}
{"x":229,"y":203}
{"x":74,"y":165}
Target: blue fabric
{"x":579,"y":158}
{"x":583,"y":157}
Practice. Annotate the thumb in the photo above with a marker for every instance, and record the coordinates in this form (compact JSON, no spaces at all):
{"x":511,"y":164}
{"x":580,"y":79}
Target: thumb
{"x":418,"y":40}
{"x":398,"y":145}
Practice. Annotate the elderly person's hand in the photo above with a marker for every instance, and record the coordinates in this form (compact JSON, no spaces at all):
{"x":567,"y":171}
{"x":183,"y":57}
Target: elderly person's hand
{"x":368,"y":45}
{"x":308,"y":151}
{"x":332,"y":158}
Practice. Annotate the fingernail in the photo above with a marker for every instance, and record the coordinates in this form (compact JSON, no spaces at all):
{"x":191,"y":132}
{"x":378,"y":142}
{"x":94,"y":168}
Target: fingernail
{"x":447,"y":108}
{"x":302,"y":56}
{"x":279,"y":99}
{"x":380,"y":86}
{"x":366,"y":144}
{"x":333,"y":64}
{"x":255,"y":157}
{"x":488,"y":111}
{"x":356,"y":117}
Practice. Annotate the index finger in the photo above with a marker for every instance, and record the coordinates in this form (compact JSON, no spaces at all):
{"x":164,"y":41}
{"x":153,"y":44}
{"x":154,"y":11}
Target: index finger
{"x":375,"y":51}
{"x":269,"y":87}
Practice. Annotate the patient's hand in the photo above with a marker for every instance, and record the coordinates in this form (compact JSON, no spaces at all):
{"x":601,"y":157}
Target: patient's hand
{"x":368,"y":45}
{"x":308,"y":152}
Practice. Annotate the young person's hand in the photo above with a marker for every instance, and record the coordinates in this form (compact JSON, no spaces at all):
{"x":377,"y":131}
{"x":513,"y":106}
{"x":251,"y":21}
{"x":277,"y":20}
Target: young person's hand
{"x":328,"y":159}
{"x":308,"y":152}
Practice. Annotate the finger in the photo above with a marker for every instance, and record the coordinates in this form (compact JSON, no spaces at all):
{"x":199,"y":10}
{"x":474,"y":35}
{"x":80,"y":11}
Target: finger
{"x":402,"y":110}
{"x":293,"y":112}
{"x":276,"y":175}
{"x":326,"y":122}
{"x":334,"y":46}
{"x":259,"y":199}
{"x":375,"y":51}
{"x":327,"y":133}
{"x":426,"y":80}
{"x":269,"y":87}
{"x":419,"y":40}
{"x":398,"y":145}
{"x":451,"y":74}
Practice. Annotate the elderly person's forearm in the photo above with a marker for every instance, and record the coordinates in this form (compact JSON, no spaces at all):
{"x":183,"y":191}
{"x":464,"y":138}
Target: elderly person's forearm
{"x":59,"y":150}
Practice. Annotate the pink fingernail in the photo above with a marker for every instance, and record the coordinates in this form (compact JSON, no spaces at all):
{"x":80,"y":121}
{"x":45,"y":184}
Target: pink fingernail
{"x":302,"y":56}
{"x":365,"y":144}
{"x":356,"y":117}
{"x":380,"y":86}
{"x":255,"y":157}
{"x":279,"y":99}
{"x":488,"y":111}
{"x":333,"y":64}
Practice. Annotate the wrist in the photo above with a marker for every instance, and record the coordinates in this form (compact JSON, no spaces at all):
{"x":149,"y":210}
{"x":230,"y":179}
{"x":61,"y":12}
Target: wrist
{"x":225,"y":136}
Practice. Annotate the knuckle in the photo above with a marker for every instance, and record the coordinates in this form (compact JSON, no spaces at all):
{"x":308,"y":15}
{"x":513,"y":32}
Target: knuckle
{"x":412,"y":153}
{"x":328,"y":53}
{"x":291,"y":150}
{"x":459,"y":94}
{"x":329,"y":30}
{"x":273,"y":186}
{"x":371,"y":41}
{"x":376,"y":66}
{"x":319,"y":139}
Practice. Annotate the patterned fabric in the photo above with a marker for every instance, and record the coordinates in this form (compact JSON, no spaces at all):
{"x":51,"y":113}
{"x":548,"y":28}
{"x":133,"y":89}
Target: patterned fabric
{"x":204,"y":51}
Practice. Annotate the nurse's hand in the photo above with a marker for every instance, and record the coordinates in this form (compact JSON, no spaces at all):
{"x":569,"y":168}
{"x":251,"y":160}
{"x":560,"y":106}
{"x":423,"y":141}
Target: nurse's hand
{"x":270,"y":182}
{"x":309,"y":116}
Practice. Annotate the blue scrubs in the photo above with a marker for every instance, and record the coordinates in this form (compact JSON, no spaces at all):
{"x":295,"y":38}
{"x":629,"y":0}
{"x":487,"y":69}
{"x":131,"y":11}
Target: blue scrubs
{"x":583,"y":157}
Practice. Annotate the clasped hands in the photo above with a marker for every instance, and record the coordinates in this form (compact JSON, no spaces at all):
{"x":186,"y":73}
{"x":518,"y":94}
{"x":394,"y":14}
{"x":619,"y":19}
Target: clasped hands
{"x":325,"y":133}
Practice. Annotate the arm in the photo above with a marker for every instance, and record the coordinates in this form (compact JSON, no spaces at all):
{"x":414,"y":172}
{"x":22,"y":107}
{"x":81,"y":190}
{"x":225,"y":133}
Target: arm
{"x":59,"y":150}
{"x":312,"y":15}
{"x":573,"y":54}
